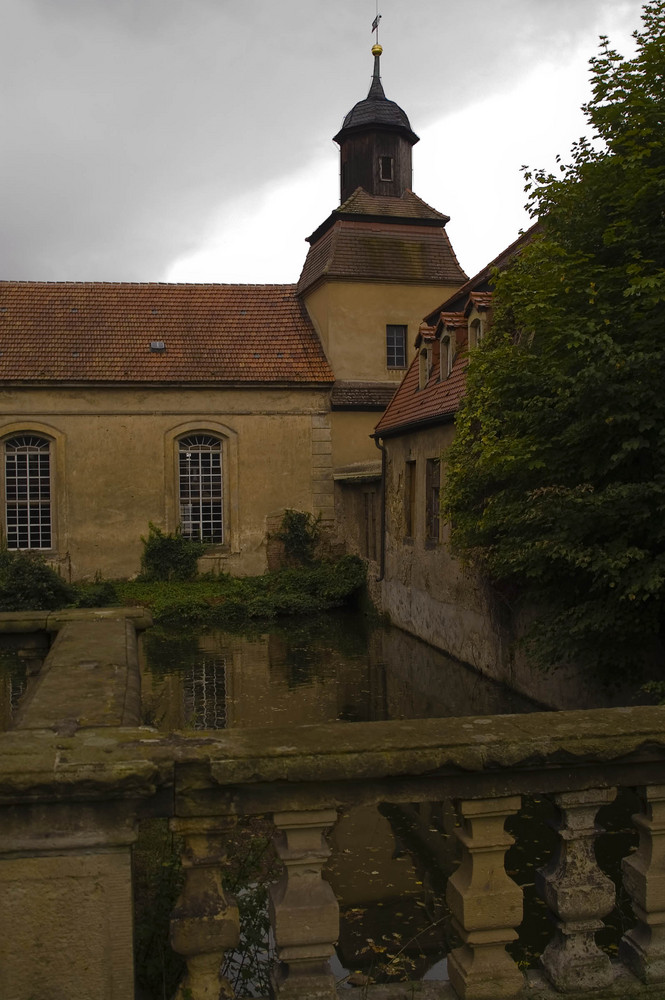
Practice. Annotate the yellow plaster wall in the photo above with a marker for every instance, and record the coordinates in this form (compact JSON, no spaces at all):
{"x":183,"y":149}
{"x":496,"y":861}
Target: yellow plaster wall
{"x":351,"y":441}
{"x":351,"y":317}
{"x":115,"y":470}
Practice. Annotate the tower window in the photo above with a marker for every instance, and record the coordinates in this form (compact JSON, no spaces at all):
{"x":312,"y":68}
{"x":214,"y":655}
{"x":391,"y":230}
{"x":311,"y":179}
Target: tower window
{"x":385,"y":168}
{"x":396,"y":346}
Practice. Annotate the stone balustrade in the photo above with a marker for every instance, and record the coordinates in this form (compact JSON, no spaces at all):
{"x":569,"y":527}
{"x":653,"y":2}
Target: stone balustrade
{"x":69,"y":805}
{"x":72,"y":796}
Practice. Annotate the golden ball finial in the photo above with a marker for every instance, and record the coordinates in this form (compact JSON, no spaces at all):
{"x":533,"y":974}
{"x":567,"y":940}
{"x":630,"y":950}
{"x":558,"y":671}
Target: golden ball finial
{"x":377,"y":50}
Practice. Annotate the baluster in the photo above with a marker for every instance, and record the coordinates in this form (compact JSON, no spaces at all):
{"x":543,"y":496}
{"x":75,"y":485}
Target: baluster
{"x":303,"y":910}
{"x":204,"y":922}
{"x":578,"y":894}
{"x":643,"y":947}
{"x":486,"y":904}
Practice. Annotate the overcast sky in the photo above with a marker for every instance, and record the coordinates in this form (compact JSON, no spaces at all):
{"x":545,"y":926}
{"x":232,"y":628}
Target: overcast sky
{"x":191,"y":140}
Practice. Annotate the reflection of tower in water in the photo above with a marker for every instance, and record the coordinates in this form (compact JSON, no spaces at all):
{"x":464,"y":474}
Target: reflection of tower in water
{"x":204,"y":693}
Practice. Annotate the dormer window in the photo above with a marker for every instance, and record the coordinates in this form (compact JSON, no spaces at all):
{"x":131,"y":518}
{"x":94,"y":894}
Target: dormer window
{"x":385,"y":168}
{"x":425,"y":365}
{"x":476,"y":332}
{"x":447,"y":355}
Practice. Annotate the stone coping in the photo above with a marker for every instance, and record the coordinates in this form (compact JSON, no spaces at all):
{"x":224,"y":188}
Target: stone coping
{"x":52,"y":621}
{"x":515,"y":752}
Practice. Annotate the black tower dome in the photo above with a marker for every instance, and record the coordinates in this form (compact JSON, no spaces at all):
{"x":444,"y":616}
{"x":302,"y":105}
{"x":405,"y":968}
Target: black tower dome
{"x":375,"y":143}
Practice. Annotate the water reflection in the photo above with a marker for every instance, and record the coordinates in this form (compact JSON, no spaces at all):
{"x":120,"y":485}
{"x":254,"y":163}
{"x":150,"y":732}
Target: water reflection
{"x":343,"y":667}
{"x":21,"y":658}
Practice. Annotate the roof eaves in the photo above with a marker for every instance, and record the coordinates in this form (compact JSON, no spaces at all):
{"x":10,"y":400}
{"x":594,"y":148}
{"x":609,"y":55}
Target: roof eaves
{"x":445,"y":417}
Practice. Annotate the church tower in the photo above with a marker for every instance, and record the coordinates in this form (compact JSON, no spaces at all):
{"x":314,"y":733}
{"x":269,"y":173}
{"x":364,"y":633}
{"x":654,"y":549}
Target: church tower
{"x":380,"y":262}
{"x":375,"y":143}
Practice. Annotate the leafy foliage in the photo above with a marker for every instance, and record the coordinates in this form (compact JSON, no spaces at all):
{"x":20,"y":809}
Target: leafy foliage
{"x":169,"y":556}
{"x":556,"y":478}
{"x":231,"y":602}
{"x":96,"y":595}
{"x":300,"y":532}
{"x":28,"y":583}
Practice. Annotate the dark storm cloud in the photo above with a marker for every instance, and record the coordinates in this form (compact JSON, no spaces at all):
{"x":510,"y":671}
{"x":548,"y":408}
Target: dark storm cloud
{"x":126,"y":124}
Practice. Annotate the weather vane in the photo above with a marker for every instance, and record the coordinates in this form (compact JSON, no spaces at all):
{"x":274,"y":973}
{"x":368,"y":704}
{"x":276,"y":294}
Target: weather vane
{"x":375,"y":22}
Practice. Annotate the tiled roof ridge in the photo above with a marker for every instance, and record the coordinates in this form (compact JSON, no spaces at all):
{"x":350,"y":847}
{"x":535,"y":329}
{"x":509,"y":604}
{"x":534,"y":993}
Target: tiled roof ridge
{"x":290,"y":287}
{"x":354,"y":194}
{"x":423,"y":202}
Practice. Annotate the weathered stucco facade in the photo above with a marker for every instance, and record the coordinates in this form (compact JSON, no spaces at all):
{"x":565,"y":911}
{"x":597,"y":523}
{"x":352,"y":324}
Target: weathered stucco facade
{"x":115,"y":466}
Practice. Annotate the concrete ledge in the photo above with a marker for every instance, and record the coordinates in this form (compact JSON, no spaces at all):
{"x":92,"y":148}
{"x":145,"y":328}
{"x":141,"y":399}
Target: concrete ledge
{"x":89,"y":678}
{"x":52,"y":621}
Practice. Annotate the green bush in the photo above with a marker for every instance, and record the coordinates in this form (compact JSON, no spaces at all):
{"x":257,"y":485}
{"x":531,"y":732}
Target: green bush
{"x":27,"y":583}
{"x":300,"y":533}
{"x":169,"y":556}
{"x":96,"y":595}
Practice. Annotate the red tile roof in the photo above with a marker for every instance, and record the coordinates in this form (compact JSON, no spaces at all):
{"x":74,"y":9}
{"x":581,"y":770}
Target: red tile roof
{"x":367,"y":251}
{"x":437,"y":401}
{"x":362,"y":395}
{"x":481,"y":300}
{"x":101,"y":332}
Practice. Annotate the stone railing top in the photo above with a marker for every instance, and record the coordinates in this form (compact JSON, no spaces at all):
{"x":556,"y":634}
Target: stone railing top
{"x":52,"y":621}
{"x":89,"y":763}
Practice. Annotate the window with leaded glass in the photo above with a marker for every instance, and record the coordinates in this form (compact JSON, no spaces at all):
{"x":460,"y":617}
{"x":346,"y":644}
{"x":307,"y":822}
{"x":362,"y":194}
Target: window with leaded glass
{"x":28,"y":492}
{"x":200,"y":488}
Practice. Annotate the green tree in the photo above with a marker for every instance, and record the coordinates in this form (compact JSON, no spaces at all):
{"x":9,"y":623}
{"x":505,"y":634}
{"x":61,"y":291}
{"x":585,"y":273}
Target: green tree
{"x":556,"y":478}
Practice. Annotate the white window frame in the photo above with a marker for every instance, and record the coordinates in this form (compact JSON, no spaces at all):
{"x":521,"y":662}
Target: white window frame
{"x":28,"y":491}
{"x":395,"y":350}
{"x":201,"y":487}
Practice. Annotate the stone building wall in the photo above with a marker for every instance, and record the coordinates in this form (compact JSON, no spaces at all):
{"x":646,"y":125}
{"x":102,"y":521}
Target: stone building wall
{"x":429,"y":593}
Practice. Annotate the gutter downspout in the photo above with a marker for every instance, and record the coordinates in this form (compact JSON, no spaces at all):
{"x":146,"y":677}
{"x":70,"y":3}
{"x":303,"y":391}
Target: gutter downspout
{"x":382,"y":547}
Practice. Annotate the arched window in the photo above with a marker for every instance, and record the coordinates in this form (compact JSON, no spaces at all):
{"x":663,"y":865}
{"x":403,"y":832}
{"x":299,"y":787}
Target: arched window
{"x":28,"y":492}
{"x":200,"y":488}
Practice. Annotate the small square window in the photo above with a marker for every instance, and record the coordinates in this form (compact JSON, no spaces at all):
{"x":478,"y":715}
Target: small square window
{"x":385,"y":168}
{"x":396,"y":346}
